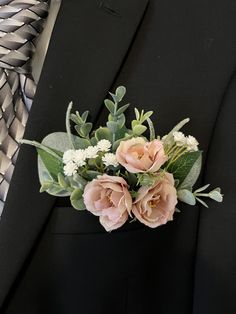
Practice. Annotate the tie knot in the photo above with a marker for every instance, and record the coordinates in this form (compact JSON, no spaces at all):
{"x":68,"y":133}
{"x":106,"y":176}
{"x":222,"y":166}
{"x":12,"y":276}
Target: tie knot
{"x":21,"y":21}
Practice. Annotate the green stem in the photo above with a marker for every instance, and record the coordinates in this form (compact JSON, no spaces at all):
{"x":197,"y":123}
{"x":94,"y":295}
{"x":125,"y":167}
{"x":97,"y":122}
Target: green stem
{"x":68,"y":126}
{"x":41,"y":146}
{"x":170,"y":150}
{"x":201,"y":194}
{"x":178,"y":156}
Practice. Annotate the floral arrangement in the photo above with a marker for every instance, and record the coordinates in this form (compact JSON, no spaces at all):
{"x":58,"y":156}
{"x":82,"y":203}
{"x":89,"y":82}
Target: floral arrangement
{"x":122,"y":173}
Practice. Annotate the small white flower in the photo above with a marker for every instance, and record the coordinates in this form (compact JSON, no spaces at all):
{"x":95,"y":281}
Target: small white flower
{"x":79,"y":157}
{"x":192,"y":143}
{"x":104,"y":145}
{"x":109,"y":159}
{"x":91,"y":152}
{"x":70,"y":168}
{"x":68,"y":156}
{"x":179,"y":138}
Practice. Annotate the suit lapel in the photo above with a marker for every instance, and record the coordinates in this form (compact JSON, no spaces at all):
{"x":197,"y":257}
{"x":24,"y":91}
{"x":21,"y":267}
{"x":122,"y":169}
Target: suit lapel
{"x":88,"y":44}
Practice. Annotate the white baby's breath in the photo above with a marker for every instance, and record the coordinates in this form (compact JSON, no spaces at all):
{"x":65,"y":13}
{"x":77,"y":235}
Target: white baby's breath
{"x":91,"y":152}
{"x":68,"y":156}
{"x":179,"y":138}
{"x":79,"y":157}
{"x":70,"y":168}
{"x":104,"y":145}
{"x":109,"y":159}
{"x":192,"y":143}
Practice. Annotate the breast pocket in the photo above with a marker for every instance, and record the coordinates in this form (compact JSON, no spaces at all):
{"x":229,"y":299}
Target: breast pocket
{"x":67,"y":220}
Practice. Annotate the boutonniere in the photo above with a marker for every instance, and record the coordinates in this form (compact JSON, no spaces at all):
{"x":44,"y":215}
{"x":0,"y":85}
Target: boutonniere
{"x":120,"y":172}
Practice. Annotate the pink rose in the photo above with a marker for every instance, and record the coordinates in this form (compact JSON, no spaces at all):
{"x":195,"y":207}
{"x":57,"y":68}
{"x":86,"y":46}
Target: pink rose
{"x":108,"y":197}
{"x":155,"y":205}
{"x":137,"y":155}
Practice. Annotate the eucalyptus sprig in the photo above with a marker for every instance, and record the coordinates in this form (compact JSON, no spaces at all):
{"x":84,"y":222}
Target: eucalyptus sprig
{"x":116,"y":118}
{"x":82,"y":127}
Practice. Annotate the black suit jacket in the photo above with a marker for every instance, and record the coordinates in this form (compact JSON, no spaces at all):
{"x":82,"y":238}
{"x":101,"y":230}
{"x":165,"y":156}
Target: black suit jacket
{"x":177,"y":58}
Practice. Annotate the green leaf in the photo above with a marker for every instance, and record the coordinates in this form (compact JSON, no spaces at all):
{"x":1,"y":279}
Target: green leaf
{"x":134,"y":123}
{"x":76,"y":199}
{"x":114,"y":97}
{"x":147,"y":115}
{"x":146,"y":179}
{"x":110,"y":105}
{"x":86,"y":128}
{"x":122,"y":109}
{"x":112,"y":126}
{"x":187,"y":197}
{"x":52,"y":164}
{"x":120,"y":93}
{"x":93,"y":141}
{"x":119,"y":120}
{"x":183,"y":165}
{"x":85,"y":115}
{"x":76,"y":119}
{"x":193,"y":174}
{"x":79,"y":179}
{"x":45,"y":186}
{"x":216,"y":196}
{"x":81,"y":143}
{"x":202,"y":202}
{"x":139,"y":129}
{"x":91,"y":174}
{"x":103,"y":133}
{"x":137,"y":114}
{"x":56,"y":190}
{"x":62,"y":181}
{"x":48,"y":166}
{"x":202,"y":188}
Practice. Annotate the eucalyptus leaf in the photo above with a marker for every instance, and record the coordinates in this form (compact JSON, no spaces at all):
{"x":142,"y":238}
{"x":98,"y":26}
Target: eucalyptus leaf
{"x":76,"y":199}
{"x":103,"y":133}
{"x":114,"y":97}
{"x":110,"y":105}
{"x":93,"y":141}
{"x":112,"y":126}
{"x":81,"y":143}
{"x":120,"y":93}
{"x":186,"y":196}
{"x":122,"y":109}
{"x":120,"y":120}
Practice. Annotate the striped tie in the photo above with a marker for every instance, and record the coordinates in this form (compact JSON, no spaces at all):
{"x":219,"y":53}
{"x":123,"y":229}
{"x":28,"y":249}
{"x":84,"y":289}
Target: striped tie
{"x":21,"y":21}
